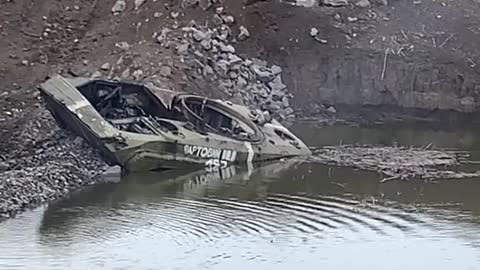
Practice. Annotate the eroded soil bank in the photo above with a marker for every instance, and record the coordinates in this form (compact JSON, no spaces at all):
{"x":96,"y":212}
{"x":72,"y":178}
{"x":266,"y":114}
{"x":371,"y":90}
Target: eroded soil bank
{"x":337,"y":59}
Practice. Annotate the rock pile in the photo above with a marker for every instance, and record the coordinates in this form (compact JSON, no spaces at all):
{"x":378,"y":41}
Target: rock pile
{"x":212,"y":57}
{"x":208,"y":56}
{"x":48,"y":165}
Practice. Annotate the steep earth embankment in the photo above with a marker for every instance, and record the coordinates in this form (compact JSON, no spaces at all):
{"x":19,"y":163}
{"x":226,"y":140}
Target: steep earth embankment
{"x":395,"y":54}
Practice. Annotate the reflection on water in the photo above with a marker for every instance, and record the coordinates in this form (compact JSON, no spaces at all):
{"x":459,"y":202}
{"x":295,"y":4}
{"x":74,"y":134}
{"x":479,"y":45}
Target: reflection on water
{"x":280,"y":216}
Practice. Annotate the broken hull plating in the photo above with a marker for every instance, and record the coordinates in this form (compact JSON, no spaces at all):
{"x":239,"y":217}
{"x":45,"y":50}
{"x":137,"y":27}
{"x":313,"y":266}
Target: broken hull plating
{"x":146,"y":152}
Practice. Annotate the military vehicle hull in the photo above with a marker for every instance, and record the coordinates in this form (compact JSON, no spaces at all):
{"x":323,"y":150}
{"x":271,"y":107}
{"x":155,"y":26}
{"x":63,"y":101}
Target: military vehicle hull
{"x":144,"y":128}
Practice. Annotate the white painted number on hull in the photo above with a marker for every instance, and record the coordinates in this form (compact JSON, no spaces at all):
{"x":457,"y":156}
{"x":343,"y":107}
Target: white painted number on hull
{"x":216,"y":157}
{"x":216,"y":163}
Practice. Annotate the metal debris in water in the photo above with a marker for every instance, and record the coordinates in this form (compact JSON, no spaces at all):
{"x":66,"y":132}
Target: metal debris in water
{"x":397,"y":162}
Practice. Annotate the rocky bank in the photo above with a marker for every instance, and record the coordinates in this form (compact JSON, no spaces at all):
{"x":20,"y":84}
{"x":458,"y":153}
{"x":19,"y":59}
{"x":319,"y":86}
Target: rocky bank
{"x":48,"y":163}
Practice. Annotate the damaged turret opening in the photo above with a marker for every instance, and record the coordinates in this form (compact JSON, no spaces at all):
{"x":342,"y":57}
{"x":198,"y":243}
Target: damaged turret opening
{"x":134,"y":108}
{"x":213,"y":117}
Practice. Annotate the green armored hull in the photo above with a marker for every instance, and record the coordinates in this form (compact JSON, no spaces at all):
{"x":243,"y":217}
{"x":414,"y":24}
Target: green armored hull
{"x":142,"y":128}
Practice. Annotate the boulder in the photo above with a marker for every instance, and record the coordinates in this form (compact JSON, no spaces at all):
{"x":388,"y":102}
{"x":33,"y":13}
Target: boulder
{"x":198,"y":35}
{"x":244,"y":33}
{"x":221,"y":67}
{"x":182,"y":49}
{"x":189,"y":3}
{"x":119,"y":7}
{"x":277,"y":85}
{"x":165,"y":71}
{"x":217,"y":20}
{"x":105,"y":66}
{"x":331,"y":110}
{"x":264,"y":74}
{"x":206,"y":44}
{"x":335,"y":3}
{"x":138,"y":3}
{"x":363,"y":3}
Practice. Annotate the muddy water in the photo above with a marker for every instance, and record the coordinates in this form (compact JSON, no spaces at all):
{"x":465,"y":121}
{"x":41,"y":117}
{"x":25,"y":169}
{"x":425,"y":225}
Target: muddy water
{"x":280,"y":216}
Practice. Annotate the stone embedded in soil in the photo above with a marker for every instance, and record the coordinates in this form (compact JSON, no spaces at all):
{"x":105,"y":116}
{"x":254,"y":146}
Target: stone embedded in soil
{"x":335,"y":3}
{"x":221,"y":67}
{"x":266,"y":74}
{"x":223,"y":32}
{"x":219,"y":10}
{"x":228,"y":19}
{"x":208,"y":71}
{"x":289,"y":111}
{"x":182,"y":49}
{"x":352,"y":19}
{"x":125,"y":74}
{"x":119,"y":6}
{"x":163,"y":35}
{"x":96,"y":74}
{"x":122,"y":45}
{"x":189,"y":3}
{"x":363,"y":3}
{"x":138,"y":3}
{"x":244,"y":33}
{"x":205,"y":4}
{"x":331,"y":109}
{"x":165,"y":71}
{"x":217,"y":20}
{"x":174,"y":14}
{"x":105,"y":66}
{"x":198,"y":35}
{"x":206,"y":44}
{"x":138,"y":75}
{"x":4,"y":166}
{"x":234,"y":59}
{"x":276,"y":84}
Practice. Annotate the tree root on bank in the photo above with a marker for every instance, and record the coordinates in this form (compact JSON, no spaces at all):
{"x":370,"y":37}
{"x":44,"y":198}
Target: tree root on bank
{"x":397,"y":162}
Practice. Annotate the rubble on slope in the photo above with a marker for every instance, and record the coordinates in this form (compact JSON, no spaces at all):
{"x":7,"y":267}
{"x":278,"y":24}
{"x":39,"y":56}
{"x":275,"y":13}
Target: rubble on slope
{"x":48,"y":164}
{"x":209,"y":53}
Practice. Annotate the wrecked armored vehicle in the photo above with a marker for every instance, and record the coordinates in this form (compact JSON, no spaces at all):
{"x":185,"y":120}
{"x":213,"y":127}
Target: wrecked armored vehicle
{"x":143,"y":128}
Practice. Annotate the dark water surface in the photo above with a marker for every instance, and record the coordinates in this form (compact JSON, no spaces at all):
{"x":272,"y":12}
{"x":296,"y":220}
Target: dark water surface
{"x":282,"y":216}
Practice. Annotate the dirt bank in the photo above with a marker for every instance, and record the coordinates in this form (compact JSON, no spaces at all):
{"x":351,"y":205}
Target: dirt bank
{"x":413,"y":56}
{"x":417,"y":55}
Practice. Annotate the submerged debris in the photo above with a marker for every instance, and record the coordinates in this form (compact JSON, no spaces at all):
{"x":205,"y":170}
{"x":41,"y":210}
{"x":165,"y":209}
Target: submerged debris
{"x":396,"y":162}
